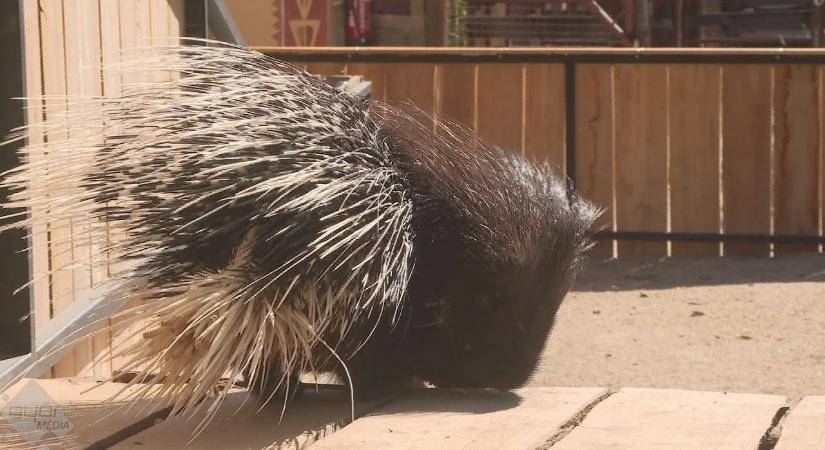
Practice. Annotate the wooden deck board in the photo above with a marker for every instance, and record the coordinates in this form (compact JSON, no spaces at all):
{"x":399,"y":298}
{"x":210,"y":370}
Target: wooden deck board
{"x":86,"y":423}
{"x":669,"y":419}
{"x":528,"y":418}
{"x":239,"y":426}
{"x":804,"y":429}
{"x":448,"y":419}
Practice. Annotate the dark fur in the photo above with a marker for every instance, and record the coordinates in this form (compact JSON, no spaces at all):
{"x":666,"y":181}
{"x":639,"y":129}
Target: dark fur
{"x":498,"y":242}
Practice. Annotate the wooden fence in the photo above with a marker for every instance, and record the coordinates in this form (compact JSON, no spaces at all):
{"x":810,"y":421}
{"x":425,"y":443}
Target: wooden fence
{"x":63,"y":42}
{"x":691,"y":152}
{"x":693,"y":143}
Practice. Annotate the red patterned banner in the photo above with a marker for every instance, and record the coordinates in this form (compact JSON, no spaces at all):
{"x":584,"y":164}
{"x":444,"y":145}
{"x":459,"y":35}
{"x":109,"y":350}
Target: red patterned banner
{"x":305,"y":22}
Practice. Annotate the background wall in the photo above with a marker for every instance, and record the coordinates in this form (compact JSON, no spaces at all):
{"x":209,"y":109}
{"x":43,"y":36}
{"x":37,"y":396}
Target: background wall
{"x":713,"y":147}
{"x":14,"y":262}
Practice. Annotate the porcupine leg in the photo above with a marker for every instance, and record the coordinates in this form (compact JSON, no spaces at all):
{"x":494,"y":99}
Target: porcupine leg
{"x":271,"y":391}
{"x":378,"y":370}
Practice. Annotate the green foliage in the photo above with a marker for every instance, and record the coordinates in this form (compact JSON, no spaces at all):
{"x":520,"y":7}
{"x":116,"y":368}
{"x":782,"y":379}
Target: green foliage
{"x":456,"y":32}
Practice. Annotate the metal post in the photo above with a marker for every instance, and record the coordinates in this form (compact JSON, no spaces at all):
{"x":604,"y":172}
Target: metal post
{"x":679,"y":22}
{"x":816,"y":23}
{"x":221,"y":24}
{"x":570,"y":122}
{"x":195,"y":12}
{"x":641,"y":15}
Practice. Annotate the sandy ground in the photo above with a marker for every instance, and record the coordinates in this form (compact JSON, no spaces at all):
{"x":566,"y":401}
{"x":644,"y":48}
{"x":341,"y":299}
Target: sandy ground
{"x":734,"y":325}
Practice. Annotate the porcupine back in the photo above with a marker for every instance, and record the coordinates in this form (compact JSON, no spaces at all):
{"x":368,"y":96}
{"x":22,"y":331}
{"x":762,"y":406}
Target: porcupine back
{"x":271,"y":224}
{"x":254,"y":209}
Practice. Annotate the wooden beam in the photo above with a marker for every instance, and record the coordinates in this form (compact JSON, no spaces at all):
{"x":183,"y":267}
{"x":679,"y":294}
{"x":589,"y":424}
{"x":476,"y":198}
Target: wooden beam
{"x":667,"y":418}
{"x":474,"y":419}
{"x":242,"y":422}
{"x":804,"y":429}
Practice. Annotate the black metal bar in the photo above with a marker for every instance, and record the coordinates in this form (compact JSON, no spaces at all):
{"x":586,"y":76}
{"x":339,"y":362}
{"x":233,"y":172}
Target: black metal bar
{"x":16,"y":331}
{"x":195,"y":23}
{"x":709,"y":237}
{"x":570,"y":122}
{"x":578,"y":58}
{"x":131,"y":430}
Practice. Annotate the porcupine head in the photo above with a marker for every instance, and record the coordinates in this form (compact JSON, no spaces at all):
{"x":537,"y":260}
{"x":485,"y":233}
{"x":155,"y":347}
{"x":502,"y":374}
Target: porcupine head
{"x":255,"y":222}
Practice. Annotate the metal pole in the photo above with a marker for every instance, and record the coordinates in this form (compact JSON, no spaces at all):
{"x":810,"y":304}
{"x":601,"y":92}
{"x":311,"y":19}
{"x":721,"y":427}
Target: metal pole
{"x":570,"y":122}
{"x":642,"y":20}
{"x":221,"y":23}
{"x":816,"y":23}
{"x":679,"y":21}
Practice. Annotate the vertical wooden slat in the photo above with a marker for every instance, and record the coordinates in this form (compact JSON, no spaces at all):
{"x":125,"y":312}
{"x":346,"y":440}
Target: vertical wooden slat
{"x":134,"y":28}
{"x":411,"y":84}
{"x":325,"y":68}
{"x":110,"y":45}
{"x":694,"y":154}
{"x":374,"y":73}
{"x":796,"y":149}
{"x":159,"y":25}
{"x":34,"y":116}
{"x":176,"y":20}
{"x":499,"y":103}
{"x":82,"y":29}
{"x":641,"y":154}
{"x":111,"y":84}
{"x":456,"y":93}
{"x":746,"y":138}
{"x":544,"y":114}
{"x":821,"y":150}
{"x":60,"y":231}
{"x":594,"y":143}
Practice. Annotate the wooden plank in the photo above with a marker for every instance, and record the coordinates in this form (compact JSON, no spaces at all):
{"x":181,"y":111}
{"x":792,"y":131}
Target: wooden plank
{"x":594,"y":143}
{"x":135,"y":29}
{"x":325,"y":68}
{"x":135,"y":32}
{"x":796,"y":154}
{"x":804,"y":429}
{"x":746,"y":142}
{"x":111,"y":86}
{"x":159,"y":12}
{"x":544,"y":116}
{"x":375,"y":73}
{"x":641,"y":154}
{"x":475,"y":419}
{"x":694,"y":155}
{"x":176,"y":20}
{"x":299,"y":52}
{"x":455,"y":93}
{"x":34,"y":116}
{"x":499,"y":113}
{"x":667,"y":418}
{"x":411,"y":83}
{"x":82,"y":40}
{"x":78,"y":408}
{"x":60,"y":231}
{"x":239,"y":425}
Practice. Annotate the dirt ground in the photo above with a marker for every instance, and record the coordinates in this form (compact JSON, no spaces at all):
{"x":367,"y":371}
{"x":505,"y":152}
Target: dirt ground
{"x":733,"y":325}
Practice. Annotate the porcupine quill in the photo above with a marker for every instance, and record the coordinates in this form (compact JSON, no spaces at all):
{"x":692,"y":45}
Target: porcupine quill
{"x":259,"y":222}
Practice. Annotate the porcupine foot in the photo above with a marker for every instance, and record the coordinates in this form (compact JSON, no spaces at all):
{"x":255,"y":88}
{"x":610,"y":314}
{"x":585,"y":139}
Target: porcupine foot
{"x":379,"y":370}
{"x":271,"y":391}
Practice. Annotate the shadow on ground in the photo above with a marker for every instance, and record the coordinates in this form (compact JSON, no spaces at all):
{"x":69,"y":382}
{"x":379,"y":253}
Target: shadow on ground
{"x":645,"y":273}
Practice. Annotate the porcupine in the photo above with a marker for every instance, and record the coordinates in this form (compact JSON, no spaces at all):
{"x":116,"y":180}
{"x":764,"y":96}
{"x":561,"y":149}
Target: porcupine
{"x":262,"y":222}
